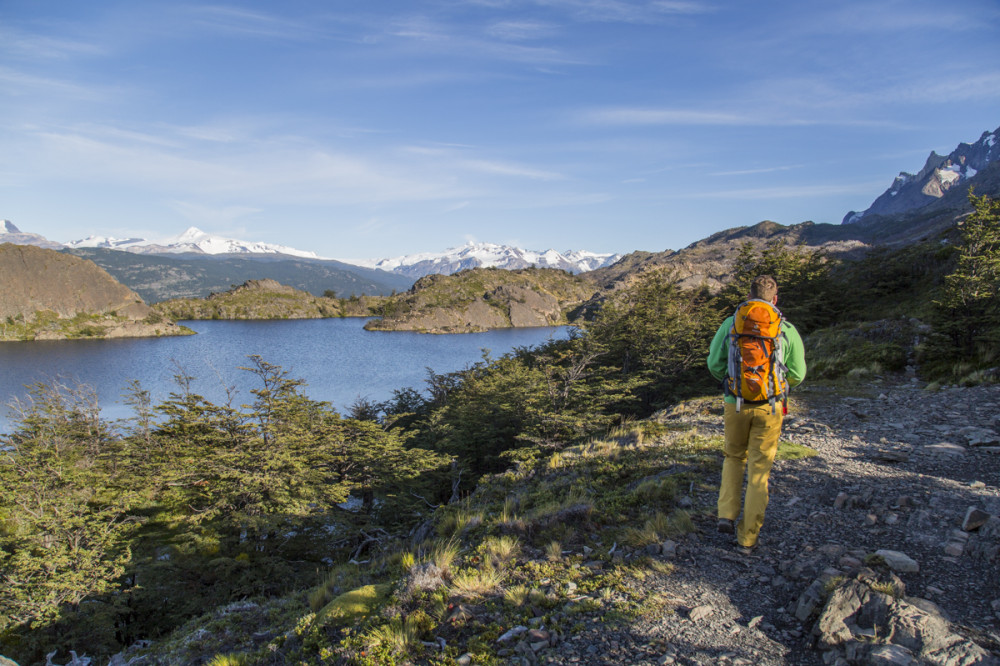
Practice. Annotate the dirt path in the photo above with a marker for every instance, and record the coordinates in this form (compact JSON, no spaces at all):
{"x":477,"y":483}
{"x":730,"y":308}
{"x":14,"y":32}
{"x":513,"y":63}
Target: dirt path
{"x":898,"y":469}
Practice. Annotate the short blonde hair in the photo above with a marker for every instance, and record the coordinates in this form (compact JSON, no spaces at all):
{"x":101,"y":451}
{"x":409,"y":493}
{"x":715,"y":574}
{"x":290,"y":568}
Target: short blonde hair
{"x":764,"y":287}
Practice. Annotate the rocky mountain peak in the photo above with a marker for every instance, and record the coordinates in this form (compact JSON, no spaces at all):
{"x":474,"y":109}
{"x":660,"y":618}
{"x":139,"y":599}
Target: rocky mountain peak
{"x":9,"y":233}
{"x":940,"y":174}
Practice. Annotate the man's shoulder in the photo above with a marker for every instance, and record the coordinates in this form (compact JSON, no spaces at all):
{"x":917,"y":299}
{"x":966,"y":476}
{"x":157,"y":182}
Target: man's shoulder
{"x":788,"y":328}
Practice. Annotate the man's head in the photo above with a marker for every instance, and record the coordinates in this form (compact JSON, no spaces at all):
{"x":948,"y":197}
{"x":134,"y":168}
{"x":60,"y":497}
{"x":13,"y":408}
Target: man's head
{"x":765,"y":288}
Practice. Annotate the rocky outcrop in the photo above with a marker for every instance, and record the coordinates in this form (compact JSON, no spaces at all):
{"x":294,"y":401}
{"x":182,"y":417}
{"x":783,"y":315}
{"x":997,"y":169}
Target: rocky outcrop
{"x":864,"y":624}
{"x":49,"y":295}
{"x":484,"y":299}
{"x":35,"y":279}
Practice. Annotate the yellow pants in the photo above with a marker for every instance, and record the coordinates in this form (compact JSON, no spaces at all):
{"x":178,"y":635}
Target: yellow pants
{"x":751,"y":443}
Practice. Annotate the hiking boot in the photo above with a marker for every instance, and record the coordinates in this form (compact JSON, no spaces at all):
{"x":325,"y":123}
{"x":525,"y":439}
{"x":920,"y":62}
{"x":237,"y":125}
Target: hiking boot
{"x":726,"y":526}
{"x":746,"y":550}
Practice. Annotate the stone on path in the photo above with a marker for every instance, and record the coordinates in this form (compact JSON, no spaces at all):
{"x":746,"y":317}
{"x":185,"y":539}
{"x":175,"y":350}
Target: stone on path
{"x":700,"y":613}
{"x":898,"y":561}
{"x":980,"y":436}
{"x":943,"y":449}
{"x":974,"y":519}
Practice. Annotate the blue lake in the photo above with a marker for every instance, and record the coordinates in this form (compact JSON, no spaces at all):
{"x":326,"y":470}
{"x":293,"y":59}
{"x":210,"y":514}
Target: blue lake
{"x":337,"y":358}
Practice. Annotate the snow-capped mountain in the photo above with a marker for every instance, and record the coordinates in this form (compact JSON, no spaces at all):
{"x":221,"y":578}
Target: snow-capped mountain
{"x":488,"y":255}
{"x":11,"y":234}
{"x":940,"y":174}
{"x":193,"y":240}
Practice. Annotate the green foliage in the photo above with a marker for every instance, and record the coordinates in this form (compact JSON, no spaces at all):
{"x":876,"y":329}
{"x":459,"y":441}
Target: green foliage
{"x":66,"y":529}
{"x":868,"y":347}
{"x":805,"y":296}
{"x":966,"y":318}
{"x":253,"y":303}
{"x":653,"y":339}
{"x":208,"y":504}
{"x":892,"y":282}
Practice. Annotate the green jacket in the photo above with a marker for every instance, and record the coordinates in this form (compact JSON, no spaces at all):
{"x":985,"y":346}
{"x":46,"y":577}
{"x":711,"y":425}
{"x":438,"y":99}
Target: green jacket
{"x":795,"y":355}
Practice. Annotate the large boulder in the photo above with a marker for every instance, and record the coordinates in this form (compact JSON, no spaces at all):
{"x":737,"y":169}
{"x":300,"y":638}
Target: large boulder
{"x":870,"y":625}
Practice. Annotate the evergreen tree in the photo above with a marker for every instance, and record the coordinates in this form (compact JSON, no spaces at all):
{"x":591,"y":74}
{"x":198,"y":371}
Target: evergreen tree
{"x":805,"y":291}
{"x":967,"y":316}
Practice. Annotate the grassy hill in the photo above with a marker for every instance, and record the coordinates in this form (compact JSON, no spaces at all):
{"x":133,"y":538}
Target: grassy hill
{"x":262,"y":299}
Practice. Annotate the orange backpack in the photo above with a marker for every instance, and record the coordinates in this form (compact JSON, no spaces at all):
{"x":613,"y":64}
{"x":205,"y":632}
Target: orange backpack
{"x":756,"y":357}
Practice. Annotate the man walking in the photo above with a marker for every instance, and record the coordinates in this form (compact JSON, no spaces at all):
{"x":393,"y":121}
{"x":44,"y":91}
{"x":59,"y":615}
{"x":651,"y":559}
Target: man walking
{"x":759,"y":355}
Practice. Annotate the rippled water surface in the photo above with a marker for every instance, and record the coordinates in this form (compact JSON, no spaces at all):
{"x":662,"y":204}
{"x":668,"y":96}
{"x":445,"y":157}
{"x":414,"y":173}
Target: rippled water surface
{"x":337,"y":358}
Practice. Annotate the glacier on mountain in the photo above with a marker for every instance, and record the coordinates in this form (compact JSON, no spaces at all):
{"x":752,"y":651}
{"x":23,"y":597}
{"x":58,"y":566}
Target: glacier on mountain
{"x":192,"y":240}
{"x":488,"y":255}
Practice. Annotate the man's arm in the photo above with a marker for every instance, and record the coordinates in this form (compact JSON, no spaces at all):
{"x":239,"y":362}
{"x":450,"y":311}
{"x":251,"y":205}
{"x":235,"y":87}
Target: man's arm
{"x":795,"y":355}
{"x":718,"y":351}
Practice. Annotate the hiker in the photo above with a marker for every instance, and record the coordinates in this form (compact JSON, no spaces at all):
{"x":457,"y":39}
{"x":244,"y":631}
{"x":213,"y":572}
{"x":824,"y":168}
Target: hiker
{"x":757,"y":355}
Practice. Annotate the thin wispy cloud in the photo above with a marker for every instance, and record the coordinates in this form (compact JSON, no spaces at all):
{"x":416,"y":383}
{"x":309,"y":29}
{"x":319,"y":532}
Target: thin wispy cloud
{"x":517,"y":31}
{"x":787,"y":192}
{"x":16,"y":83}
{"x":213,"y":216}
{"x":753,"y":172}
{"x":896,"y":17}
{"x":506,"y":169}
{"x":640,"y":116}
{"x":30,"y":46}
{"x":969,"y":86}
{"x":435,"y":37}
{"x":620,"y":11}
{"x":229,"y":19}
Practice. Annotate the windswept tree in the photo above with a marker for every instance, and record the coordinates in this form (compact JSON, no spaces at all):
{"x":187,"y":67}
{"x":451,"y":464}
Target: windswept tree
{"x":65,"y":522}
{"x":967,"y":316}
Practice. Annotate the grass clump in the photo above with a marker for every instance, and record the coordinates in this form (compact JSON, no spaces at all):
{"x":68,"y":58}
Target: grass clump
{"x":355,"y":604}
{"x":500,"y":551}
{"x":472,"y":583}
{"x":793,"y":451}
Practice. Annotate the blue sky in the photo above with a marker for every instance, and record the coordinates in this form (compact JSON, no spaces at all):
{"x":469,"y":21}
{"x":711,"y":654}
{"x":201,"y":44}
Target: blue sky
{"x":379,"y":128}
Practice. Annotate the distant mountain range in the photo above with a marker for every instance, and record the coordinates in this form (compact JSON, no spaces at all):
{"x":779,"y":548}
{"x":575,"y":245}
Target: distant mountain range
{"x":470,"y":255}
{"x":489,"y":255}
{"x":192,"y":241}
{"x":940,"y":175}
{"x":375,"y":275}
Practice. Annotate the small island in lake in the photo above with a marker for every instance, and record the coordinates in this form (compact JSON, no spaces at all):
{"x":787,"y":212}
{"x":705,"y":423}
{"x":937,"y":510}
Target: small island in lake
{"x":265,"y":299}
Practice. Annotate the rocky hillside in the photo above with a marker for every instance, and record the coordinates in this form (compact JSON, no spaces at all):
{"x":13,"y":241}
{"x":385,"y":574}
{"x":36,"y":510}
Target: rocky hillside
{"x":260,"y":299}
{"x":49,"y":295}
{"x":483,"y":299}
{"x":710,"y":260}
